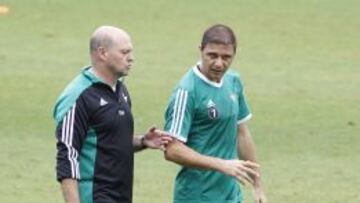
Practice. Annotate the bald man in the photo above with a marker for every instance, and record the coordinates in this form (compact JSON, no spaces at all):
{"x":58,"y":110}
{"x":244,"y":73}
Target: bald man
{"x":95,"y":141}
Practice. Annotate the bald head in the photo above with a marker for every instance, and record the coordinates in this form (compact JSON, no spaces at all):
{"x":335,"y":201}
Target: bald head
{"x":106,"y":37}
{"x":111,"y":50}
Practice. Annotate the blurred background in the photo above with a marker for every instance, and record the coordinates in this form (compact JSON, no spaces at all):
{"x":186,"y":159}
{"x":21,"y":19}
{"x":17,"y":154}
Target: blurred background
{"x":299,"y":60}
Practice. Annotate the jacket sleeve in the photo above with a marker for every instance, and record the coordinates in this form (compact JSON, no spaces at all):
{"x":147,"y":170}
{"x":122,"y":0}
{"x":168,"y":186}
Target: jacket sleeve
{"x":70,"y":133}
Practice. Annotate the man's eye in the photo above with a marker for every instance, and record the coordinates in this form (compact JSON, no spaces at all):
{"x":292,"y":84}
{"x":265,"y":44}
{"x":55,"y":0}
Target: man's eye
{"x":226,"y":58}
{"x":212,"y":56}
{"x":125,"y":52}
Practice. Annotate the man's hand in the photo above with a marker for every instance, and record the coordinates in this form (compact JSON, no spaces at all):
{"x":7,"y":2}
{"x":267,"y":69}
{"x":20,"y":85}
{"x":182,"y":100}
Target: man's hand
{"x":70,"y":190}
{"x":259,"y":194}
{"x":156,"y":139}
{"x":244,"y":171}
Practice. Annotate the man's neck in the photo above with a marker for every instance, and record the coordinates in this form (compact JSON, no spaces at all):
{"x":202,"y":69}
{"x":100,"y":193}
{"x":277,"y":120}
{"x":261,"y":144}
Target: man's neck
{"x":107,"y":77}
{"x":206,"y":75}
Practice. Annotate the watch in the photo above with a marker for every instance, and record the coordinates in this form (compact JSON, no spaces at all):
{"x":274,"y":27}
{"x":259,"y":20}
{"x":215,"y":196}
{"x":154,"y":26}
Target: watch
{"x":142,"y":142}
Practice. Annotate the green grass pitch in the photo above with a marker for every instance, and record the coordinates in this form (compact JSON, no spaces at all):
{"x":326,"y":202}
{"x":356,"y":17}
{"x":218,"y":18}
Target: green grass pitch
{"x":299,"y":60}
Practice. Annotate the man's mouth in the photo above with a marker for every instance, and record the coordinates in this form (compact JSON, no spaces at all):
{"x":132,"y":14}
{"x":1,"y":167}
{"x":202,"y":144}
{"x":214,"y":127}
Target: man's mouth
{"x":217,"y":72}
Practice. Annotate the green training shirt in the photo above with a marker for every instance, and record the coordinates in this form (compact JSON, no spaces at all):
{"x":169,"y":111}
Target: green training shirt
{"x":204,"y":115}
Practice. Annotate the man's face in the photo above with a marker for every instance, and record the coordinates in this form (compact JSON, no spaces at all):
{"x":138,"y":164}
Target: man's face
{"x":120,"y":57}
{"x":216,"y":59}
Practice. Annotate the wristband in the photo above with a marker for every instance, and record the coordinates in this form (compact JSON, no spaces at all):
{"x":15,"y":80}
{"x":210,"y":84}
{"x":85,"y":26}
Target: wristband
{"x":142,"y":142}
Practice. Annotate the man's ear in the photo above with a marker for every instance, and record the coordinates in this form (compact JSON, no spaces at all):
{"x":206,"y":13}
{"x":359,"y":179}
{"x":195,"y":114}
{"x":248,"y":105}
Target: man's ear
{"x":102,"y":53}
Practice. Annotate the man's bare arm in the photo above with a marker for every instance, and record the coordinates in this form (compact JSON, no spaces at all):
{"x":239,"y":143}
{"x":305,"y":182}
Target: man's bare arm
{"x":178,"y":152}
{"x":246,"y":147}
{"x":246,"y":151}
{"x":70,"y":190}
{"x":153,"y":139}
{"x":138,"y":143}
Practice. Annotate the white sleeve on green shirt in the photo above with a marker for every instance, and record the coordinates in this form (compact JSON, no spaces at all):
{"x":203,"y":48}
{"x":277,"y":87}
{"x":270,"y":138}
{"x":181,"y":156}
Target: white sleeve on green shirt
{"x":244,"y":113}
{"x":179,"y":114}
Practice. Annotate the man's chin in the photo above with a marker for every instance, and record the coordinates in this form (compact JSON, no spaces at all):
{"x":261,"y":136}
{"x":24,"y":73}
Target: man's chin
{"x":123,"y":74}
{"x":216,"y":77}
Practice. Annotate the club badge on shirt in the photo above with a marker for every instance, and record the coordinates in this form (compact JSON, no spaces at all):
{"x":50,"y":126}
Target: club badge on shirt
{"x":233,"y":97}
{"x":212,"y":111}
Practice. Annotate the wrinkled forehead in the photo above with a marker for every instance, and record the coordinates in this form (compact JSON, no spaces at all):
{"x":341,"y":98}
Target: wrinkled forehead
{"x":219,"y":48}
{"x":122,"y":41}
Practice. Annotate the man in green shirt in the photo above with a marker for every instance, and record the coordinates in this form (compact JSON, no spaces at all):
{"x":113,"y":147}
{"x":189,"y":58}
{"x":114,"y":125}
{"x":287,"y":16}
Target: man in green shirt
{"x":207,"y":113}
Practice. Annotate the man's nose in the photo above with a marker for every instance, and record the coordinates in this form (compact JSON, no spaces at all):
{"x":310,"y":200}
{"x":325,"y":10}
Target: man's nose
{"x":131,"y":58}
{"x":218,"y":63}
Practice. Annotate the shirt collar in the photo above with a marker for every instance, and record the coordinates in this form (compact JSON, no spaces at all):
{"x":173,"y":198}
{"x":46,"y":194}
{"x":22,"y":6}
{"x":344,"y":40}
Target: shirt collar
{"x":204,"y":78}
{"x":86,"y":71}
{"x":89,"y":71}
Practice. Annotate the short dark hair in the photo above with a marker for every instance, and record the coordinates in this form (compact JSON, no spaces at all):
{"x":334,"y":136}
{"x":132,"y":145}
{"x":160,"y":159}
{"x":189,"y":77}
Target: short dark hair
{"x":219,"y":34}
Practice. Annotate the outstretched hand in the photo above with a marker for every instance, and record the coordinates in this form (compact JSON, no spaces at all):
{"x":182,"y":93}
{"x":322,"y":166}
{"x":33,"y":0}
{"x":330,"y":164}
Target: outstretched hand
{"x":156,"y":139}
{"x":244,"y":171}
